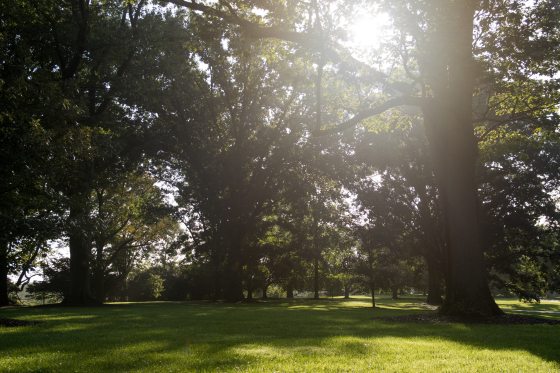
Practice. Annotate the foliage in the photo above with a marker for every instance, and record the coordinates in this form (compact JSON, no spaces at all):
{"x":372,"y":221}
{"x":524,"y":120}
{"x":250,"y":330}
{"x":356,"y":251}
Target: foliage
{"x":214,"y":149}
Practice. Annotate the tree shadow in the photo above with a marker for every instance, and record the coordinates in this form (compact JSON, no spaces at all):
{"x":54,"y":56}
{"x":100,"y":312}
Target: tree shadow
{"x":210,"y":337}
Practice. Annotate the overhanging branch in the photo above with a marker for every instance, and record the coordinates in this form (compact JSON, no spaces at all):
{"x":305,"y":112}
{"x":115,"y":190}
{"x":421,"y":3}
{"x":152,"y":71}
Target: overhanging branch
{"x":312,"y":40}
{"x":371,"y":112}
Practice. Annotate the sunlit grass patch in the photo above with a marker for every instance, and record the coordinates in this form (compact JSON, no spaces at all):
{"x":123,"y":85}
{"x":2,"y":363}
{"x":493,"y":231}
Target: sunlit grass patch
{"x":295,"y":336}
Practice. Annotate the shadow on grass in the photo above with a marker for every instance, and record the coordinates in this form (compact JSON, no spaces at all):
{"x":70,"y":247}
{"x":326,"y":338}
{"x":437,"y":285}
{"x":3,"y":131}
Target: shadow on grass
{"x":209,"y":336}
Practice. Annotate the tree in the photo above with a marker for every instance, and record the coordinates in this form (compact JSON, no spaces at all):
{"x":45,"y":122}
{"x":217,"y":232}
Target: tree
{"x":28,"y":204}
{"x":90,"y":65}
{"x":233,"y":159}
{"x":129,"y":217}
{"x":519,"y":179}
{"x":395,"y":180}
{"x":447,"y":64}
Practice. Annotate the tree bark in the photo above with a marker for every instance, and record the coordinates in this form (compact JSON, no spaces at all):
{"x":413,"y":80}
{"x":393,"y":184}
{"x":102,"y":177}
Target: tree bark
{"x":233,"y":288}
{"x":394,"y":293}
{"x":434,"y":283}
{"x":264,"y":290}
{"x":99,"y":273}
{"x":372,"y":289}
{"x":290,"y":291}
{"x":80,"y":251}
{"x":233,"y":279}
{"x":250,"y":289}
{"x":449,"y":128}
{"x":346,"y":292}
{"x":4,"y":300}
{"x":316,"y":278}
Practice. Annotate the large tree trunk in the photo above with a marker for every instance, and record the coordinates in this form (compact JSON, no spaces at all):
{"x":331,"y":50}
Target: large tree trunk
{"x":346,"y":291}
{"x":264,"y":290}
{"x":372,"y":289}
{"x":80,"y":293}
{"x":394,"y":293}
{"x":449,"y":127}
{"x":80,"y":251}
{"x":233,"y":279}
{"x":4,"y":301}
{"x":233,"y":288}
{"x":250,"y":289}
{"x":99,"y":274}
{"x":434,"y":283}
{"x":289,"y":291}
{"x":215,"y":288}
{"x":316,"y":278}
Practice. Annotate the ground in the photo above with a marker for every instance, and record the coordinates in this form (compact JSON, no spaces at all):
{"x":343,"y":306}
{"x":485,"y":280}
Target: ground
{"x":303,"y":335}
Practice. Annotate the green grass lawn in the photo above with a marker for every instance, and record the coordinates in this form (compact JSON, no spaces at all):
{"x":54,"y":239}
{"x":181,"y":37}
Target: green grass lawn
{"x":326,"y":335}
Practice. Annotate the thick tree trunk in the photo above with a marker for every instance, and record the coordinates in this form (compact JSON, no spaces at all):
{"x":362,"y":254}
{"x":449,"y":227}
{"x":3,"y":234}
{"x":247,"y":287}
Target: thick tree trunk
{"x":290,"y":291}
{"x":316,"y":278}
{"x":264,"y":290}
{"x":80,"y":294}
{"x":99,"y":274}
{"x":4,"y":300}
{"x":250,"y":289}
{"x":215,"y":288}
{"x":434,"y":283}
{"x":233,"y":288}
{"x":99,"y":285}
{"x":346,"y":292}
{"x":449,"y":128}
{"x":80,"y":251}
{"x":233,"y":281}
{"x":372,"y":289}
{"x":467,"y":291}
{"x":394,"y":293}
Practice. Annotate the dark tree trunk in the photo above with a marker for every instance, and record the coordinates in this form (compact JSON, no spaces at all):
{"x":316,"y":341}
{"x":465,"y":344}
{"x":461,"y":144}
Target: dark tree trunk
{"x":250,"y":289}
{"x":99,"y":285}
{"x":233,"y":288}
{"x":394,"y":293}
{"x":264,"y":290}
{"x":80,"y":251}
{"x":316,"y":278}
{"x":434,"y":283}
{"x":233,"y":285}
{"x":4,"y":300}
{"x":290,"y":291}
{"x":372,"y":289}
{"x":346,"y":292}
{"x":99,"y":274}
{"x":80,"y":293}
{"x":233,"y":280}
{"x":449,"y":127}
{"x":215,"y":288}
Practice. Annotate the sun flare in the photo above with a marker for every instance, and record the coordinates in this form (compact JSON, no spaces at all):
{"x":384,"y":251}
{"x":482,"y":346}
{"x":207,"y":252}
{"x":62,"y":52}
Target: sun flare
{"x":369,"y":30}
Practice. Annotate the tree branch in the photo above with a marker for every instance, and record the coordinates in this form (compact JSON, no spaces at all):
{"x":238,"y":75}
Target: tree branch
{"x":312,"y":40}
{"x":377,"y":110}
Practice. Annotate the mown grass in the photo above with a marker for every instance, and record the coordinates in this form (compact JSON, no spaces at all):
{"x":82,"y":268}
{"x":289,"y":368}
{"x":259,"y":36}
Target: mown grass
{"x":326,"y":335}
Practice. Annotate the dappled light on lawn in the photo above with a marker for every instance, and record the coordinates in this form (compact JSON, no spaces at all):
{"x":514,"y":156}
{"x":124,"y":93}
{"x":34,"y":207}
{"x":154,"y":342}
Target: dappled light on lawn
{"x":302,"y":335}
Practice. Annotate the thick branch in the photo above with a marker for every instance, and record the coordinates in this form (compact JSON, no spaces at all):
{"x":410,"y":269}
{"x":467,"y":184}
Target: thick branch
{"x":504,"y":120}
{"x":80,"y":11}
{"x":314,"y":41}
{"x":377,"y":110}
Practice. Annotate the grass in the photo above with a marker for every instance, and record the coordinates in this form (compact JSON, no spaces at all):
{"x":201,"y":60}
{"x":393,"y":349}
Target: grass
{"x":326,"y":335}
